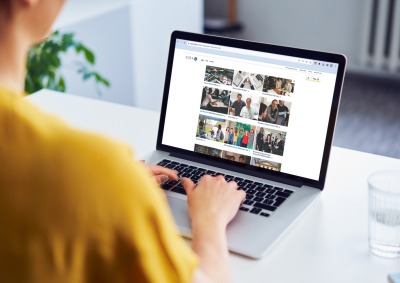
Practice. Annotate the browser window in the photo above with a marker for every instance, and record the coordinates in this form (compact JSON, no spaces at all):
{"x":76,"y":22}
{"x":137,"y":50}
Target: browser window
{"x":266,"y":110}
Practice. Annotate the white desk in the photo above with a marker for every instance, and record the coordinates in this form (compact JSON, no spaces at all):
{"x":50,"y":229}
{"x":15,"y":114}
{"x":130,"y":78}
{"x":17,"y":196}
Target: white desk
{"x":327,"y":244}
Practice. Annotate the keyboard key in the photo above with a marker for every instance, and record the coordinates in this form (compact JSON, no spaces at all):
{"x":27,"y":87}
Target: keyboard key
{"x":170,"y":166}
{"x":258,"y":199}
{"x":242,"y":184}
{"x":251,"y":186}
{"x":210,"y":172}
{"x":251,"y":192}
{"x":259,"y":189}
{"x":257,"y":184}
{"x":162,"y":164}
{"x":255,"y":210}
{"x":281,"y":194}
{"x":264,"y":214}
{"x":288,"y":191}
{"x":267,"y":186}
{"x":244,"y":208}
{"x":269,"y":202}
{"x":278,"y":189}
{"x":237,"y":179}
{"x":270,"y":196}
{"x":264,"y":206}
{"x":179,"y":189}
{"x":193,"y":167}
{"x":166,"y":186}
{"x":229,"y":176}
{"x":279,"y":201}
{"x":248,"y":202}
{"x":249,"y":197}
{"x":175,"y":163}
{"x":179,"y":168}
{"x":248,"y":181}
{"x":260,"y":194}
{"x":184,"y":165}
{"x":172,"y":182}
{"x":270,"y":191}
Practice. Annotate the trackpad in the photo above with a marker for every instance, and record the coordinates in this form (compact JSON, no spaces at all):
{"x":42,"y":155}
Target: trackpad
{"x":180,"y":212}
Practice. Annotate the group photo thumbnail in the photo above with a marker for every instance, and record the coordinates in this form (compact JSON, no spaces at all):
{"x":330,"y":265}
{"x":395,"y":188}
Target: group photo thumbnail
{"x":248,"y":80}
{"x":274,"y":111}
{"x":266,"y":164}
{"x":281,"y":86}
{"x":239,"y":134}
{"x":215,"y":100}
{"x":211,"y":128}
{"x":218,"y":75}
{"x":270,"y":141}
{"x":207,"y":150}
{"x":236,"y":157}
{"x":244,"y":105}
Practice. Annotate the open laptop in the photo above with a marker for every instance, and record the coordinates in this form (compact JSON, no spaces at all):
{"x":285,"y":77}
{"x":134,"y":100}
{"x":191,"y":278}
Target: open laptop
{"x":261,"y":115}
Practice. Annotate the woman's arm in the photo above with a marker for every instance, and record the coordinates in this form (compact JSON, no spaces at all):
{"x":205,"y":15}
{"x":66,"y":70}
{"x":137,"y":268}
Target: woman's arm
{"x":212,"y":205}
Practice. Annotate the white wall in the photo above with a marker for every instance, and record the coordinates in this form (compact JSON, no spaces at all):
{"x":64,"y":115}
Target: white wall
{"x":131,"y":44}
{"x":314,"y":24}
{"x":107,"y":35}
{"x":152,"y":24}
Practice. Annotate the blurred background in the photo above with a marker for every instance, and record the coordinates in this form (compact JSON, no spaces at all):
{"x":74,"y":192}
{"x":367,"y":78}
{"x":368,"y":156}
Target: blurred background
{"x":130,"y":40}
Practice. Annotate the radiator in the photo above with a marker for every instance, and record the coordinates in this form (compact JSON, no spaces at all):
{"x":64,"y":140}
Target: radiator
{"x":380,"y":49}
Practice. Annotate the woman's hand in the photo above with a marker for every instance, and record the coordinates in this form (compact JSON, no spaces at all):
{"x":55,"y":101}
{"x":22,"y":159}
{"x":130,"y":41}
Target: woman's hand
{"x":162,"y":174}
{"x":213,"y":200}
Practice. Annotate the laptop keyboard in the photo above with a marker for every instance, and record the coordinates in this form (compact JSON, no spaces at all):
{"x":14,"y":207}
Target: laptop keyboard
{"x":261,"y":199}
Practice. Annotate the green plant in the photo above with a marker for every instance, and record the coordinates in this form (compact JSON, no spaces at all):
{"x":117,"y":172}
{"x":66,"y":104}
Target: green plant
{"x":44,"y":63}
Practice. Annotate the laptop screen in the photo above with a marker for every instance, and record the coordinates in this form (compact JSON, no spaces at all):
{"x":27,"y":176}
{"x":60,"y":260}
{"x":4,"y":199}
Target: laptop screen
{"x":266,"y":110}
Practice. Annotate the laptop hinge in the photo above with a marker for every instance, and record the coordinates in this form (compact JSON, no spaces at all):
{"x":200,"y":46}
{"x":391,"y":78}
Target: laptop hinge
{"x":236,"y":169}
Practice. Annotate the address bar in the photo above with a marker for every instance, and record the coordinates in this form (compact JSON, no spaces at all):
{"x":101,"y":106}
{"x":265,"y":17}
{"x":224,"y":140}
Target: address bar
{"x":241,"y":51}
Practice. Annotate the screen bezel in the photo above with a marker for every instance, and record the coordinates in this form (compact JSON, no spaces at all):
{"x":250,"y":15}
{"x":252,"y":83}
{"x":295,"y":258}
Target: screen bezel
{"x":268,"y":48}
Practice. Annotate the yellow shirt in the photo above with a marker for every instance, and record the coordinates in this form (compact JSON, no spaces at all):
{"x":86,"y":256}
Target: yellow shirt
{"x":76,"y":207}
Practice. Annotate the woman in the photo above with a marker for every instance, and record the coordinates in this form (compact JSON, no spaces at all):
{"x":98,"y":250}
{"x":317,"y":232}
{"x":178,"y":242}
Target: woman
{"x":207,"y":101}
{"x":231,"y":135}
{"x":235,"y":136}
{"x":268,"y":144}
{"x":260,"y":140}
{"x":262,"y":113}
{"x":219,"y":137}
{"x":239,"y":139}
{"x":79,"y":208}
{"x":245,"y":139}
{"x":251,"y":139}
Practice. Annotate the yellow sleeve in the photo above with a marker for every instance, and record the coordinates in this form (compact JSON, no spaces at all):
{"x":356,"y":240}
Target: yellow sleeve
{"x":145,"y":245}
{"x":78,"y":207}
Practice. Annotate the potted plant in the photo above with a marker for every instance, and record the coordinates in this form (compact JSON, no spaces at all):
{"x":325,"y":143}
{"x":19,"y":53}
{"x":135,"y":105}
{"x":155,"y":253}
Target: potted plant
{"x":44,"y":63}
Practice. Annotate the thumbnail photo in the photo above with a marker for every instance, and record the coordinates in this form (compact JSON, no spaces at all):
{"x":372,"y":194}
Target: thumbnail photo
{"x":266,"y":164}
{"x":241,"y":135}
{"x":270,"y":141}
{"x":211,"y":128}
{"x":207,"y":150}
{"x":215,"y":100}
{"x":218,"y":75}
{"x":248,"y":80}
{"x":244,"y":105}
{"x":275,"y":85}
{"x":274,"y":111}
{"x":236,"y":157}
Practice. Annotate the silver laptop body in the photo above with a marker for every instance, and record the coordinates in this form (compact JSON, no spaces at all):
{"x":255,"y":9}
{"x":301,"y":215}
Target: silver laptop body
{"x":249,"y":234}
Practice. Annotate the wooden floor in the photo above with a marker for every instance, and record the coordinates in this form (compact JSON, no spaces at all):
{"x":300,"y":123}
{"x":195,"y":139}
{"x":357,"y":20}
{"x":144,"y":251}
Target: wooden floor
{"x":369,"y":116}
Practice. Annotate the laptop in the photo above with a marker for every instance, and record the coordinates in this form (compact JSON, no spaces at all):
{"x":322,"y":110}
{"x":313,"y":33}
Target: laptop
{"x":259,"y":114}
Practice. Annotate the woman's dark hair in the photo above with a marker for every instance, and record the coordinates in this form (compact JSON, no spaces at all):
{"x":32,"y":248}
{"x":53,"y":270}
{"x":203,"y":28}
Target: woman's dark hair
{"x":262,"y":108}
{"x":5,"y":9}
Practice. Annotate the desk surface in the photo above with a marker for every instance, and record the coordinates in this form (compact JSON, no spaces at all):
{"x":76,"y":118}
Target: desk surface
{"x":327,"y":244}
